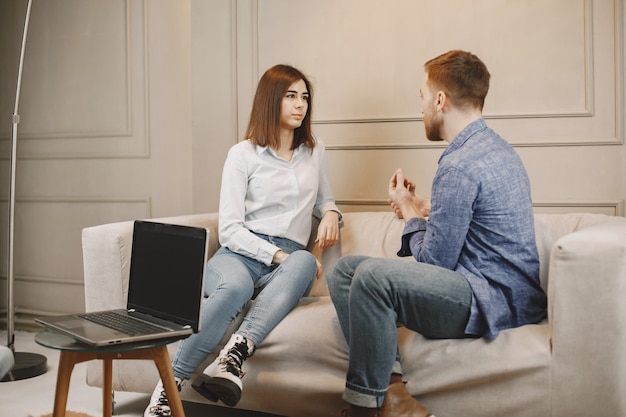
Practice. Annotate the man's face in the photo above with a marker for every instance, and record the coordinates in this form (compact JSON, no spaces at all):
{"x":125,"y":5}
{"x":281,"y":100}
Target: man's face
{"x":432,"y":118}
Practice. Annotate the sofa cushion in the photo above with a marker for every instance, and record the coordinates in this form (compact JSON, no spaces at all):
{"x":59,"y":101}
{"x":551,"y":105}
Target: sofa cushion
{"x":379,"y":233}
{"x":368,"y":233}
{"x":310,"y":338}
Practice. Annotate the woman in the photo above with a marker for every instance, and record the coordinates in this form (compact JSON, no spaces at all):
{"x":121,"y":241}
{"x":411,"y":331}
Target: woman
{"x":272,"y":183}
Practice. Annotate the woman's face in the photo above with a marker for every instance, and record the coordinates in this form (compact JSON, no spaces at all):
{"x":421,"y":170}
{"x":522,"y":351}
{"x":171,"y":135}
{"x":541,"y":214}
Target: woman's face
{"x":294,"y":106}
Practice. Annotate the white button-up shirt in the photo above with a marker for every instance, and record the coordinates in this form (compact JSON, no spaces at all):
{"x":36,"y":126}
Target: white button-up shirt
{"x":266,"y":194}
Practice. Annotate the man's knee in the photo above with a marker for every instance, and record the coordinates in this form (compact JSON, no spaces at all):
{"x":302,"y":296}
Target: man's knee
{"x":347,"y":264}
{"x":371,"y":275}
{"x":342,"y":268}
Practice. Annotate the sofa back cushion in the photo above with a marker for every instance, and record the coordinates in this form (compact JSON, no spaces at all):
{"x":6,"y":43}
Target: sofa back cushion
{"x":549,"y":228}
{"x":364,"y":233}
{"x":378,"y":234}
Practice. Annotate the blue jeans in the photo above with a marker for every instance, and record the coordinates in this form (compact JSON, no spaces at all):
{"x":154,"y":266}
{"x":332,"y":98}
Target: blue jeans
{"x":372,"y":296}
{"x":231,"y":281}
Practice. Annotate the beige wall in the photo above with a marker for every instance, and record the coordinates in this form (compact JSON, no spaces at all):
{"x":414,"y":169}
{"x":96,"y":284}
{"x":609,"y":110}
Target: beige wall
{"x":129,"y":107}
{"x":556,"y":93}
{"x":105,"y":132}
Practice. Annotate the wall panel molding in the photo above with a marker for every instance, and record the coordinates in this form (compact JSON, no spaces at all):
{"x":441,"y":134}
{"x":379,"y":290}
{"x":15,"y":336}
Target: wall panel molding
{"x":71,"y":108}
{"x":611,"y":208}
{"x":49,"y":228}
{"x":588,"y":85}
{"x":594,"y":117}
{"x":43,"y":220}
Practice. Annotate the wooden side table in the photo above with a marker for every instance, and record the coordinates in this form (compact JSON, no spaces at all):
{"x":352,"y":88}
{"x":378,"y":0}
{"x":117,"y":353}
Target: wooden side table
{"x":73,"y":352}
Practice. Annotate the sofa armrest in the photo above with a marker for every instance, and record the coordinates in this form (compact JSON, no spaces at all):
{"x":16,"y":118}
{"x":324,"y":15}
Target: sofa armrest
{"x":106,"y":257}
{"x":587,"y":317}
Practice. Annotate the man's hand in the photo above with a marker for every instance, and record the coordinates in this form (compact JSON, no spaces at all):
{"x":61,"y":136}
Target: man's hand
{"x":328,"y":230}
{"x":403,"y":200}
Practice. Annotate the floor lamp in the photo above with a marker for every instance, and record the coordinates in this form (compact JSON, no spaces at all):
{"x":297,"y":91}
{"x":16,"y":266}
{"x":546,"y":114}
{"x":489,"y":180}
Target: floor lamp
{"x":27,"y":364}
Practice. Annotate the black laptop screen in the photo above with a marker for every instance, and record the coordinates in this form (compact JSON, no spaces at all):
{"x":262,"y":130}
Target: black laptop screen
{"x":166,"y":270}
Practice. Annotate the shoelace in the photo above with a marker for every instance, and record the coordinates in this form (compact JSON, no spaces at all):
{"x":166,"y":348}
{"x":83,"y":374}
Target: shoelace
{"x":162,"y":407}
{"x":234,"y":359}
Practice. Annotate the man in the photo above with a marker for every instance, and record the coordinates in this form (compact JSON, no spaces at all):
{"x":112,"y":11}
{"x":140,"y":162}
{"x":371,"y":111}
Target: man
{"x":477,"y":269}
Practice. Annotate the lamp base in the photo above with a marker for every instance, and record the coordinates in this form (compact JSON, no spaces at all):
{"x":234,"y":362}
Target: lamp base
{"x":27,"y":365}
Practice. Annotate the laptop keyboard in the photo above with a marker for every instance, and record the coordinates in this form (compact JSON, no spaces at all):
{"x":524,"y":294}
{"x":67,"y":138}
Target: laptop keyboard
{"x":123,"y":323}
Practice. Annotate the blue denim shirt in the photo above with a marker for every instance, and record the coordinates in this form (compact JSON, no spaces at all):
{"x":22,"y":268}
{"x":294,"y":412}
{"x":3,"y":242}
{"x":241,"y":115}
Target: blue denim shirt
{"x":481,"y":225}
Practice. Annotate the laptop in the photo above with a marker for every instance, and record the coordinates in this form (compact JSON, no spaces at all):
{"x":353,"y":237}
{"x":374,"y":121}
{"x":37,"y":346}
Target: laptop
{"x":165,"y":290}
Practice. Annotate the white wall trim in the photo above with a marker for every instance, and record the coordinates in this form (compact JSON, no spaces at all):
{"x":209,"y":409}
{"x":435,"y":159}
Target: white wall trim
{"x":616,"y":208}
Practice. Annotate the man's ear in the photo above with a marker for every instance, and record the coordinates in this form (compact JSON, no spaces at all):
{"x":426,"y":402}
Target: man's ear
{"x":441,"y":100}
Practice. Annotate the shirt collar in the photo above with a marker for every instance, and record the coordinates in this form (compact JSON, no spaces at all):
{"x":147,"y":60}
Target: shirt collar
{"x":469,"y":131}
{"x":261,"y":149}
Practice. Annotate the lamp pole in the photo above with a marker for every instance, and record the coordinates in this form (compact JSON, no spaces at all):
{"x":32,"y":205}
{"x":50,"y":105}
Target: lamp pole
{"x":26,"y":364}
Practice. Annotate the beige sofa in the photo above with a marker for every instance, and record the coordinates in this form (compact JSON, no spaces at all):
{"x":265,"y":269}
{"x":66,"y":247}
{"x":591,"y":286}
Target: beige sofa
{"x":573,"y":364}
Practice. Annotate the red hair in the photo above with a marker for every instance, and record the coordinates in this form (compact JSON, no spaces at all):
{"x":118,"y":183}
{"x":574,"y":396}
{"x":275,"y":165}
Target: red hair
{"x":462,"y":75}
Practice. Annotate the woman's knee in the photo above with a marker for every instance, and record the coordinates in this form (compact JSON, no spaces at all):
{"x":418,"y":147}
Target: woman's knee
{"x":231,"y":278}
{"x":302,"y":261}
{"x":302,"y":256}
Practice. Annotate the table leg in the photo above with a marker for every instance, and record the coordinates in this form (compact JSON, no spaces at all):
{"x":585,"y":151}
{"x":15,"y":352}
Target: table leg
{"x":162,"y":361}
{"x":107,"y":388}
{"x":67,"y":360}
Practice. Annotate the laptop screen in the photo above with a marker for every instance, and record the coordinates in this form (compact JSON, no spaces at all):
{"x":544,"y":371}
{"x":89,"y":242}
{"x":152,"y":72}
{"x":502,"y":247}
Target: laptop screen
{"x":166,"y":271}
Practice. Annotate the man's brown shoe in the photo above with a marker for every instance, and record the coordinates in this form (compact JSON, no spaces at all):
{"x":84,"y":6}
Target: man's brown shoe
{"x":353,"y":411}
{"x":399,"y":403}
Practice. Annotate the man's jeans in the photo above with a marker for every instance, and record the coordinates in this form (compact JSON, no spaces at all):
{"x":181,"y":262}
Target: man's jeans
{"x":372,"y":296}
{"x":231,"y":281}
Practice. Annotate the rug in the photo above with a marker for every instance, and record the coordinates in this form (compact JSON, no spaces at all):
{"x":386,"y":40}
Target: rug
{"x":68,"y":413}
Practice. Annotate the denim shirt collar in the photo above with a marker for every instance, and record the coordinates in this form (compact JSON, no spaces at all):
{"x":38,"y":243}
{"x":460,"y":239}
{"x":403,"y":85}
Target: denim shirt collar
{"x":469,"y":131}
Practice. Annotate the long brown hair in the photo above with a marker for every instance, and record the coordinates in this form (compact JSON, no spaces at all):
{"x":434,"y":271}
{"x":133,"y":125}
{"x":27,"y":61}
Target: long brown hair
{"x":264,"y":126}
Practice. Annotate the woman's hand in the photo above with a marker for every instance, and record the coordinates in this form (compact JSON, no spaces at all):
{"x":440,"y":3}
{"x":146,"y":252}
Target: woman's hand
{"x":328,"y":230}
{"x":280,"y":256}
